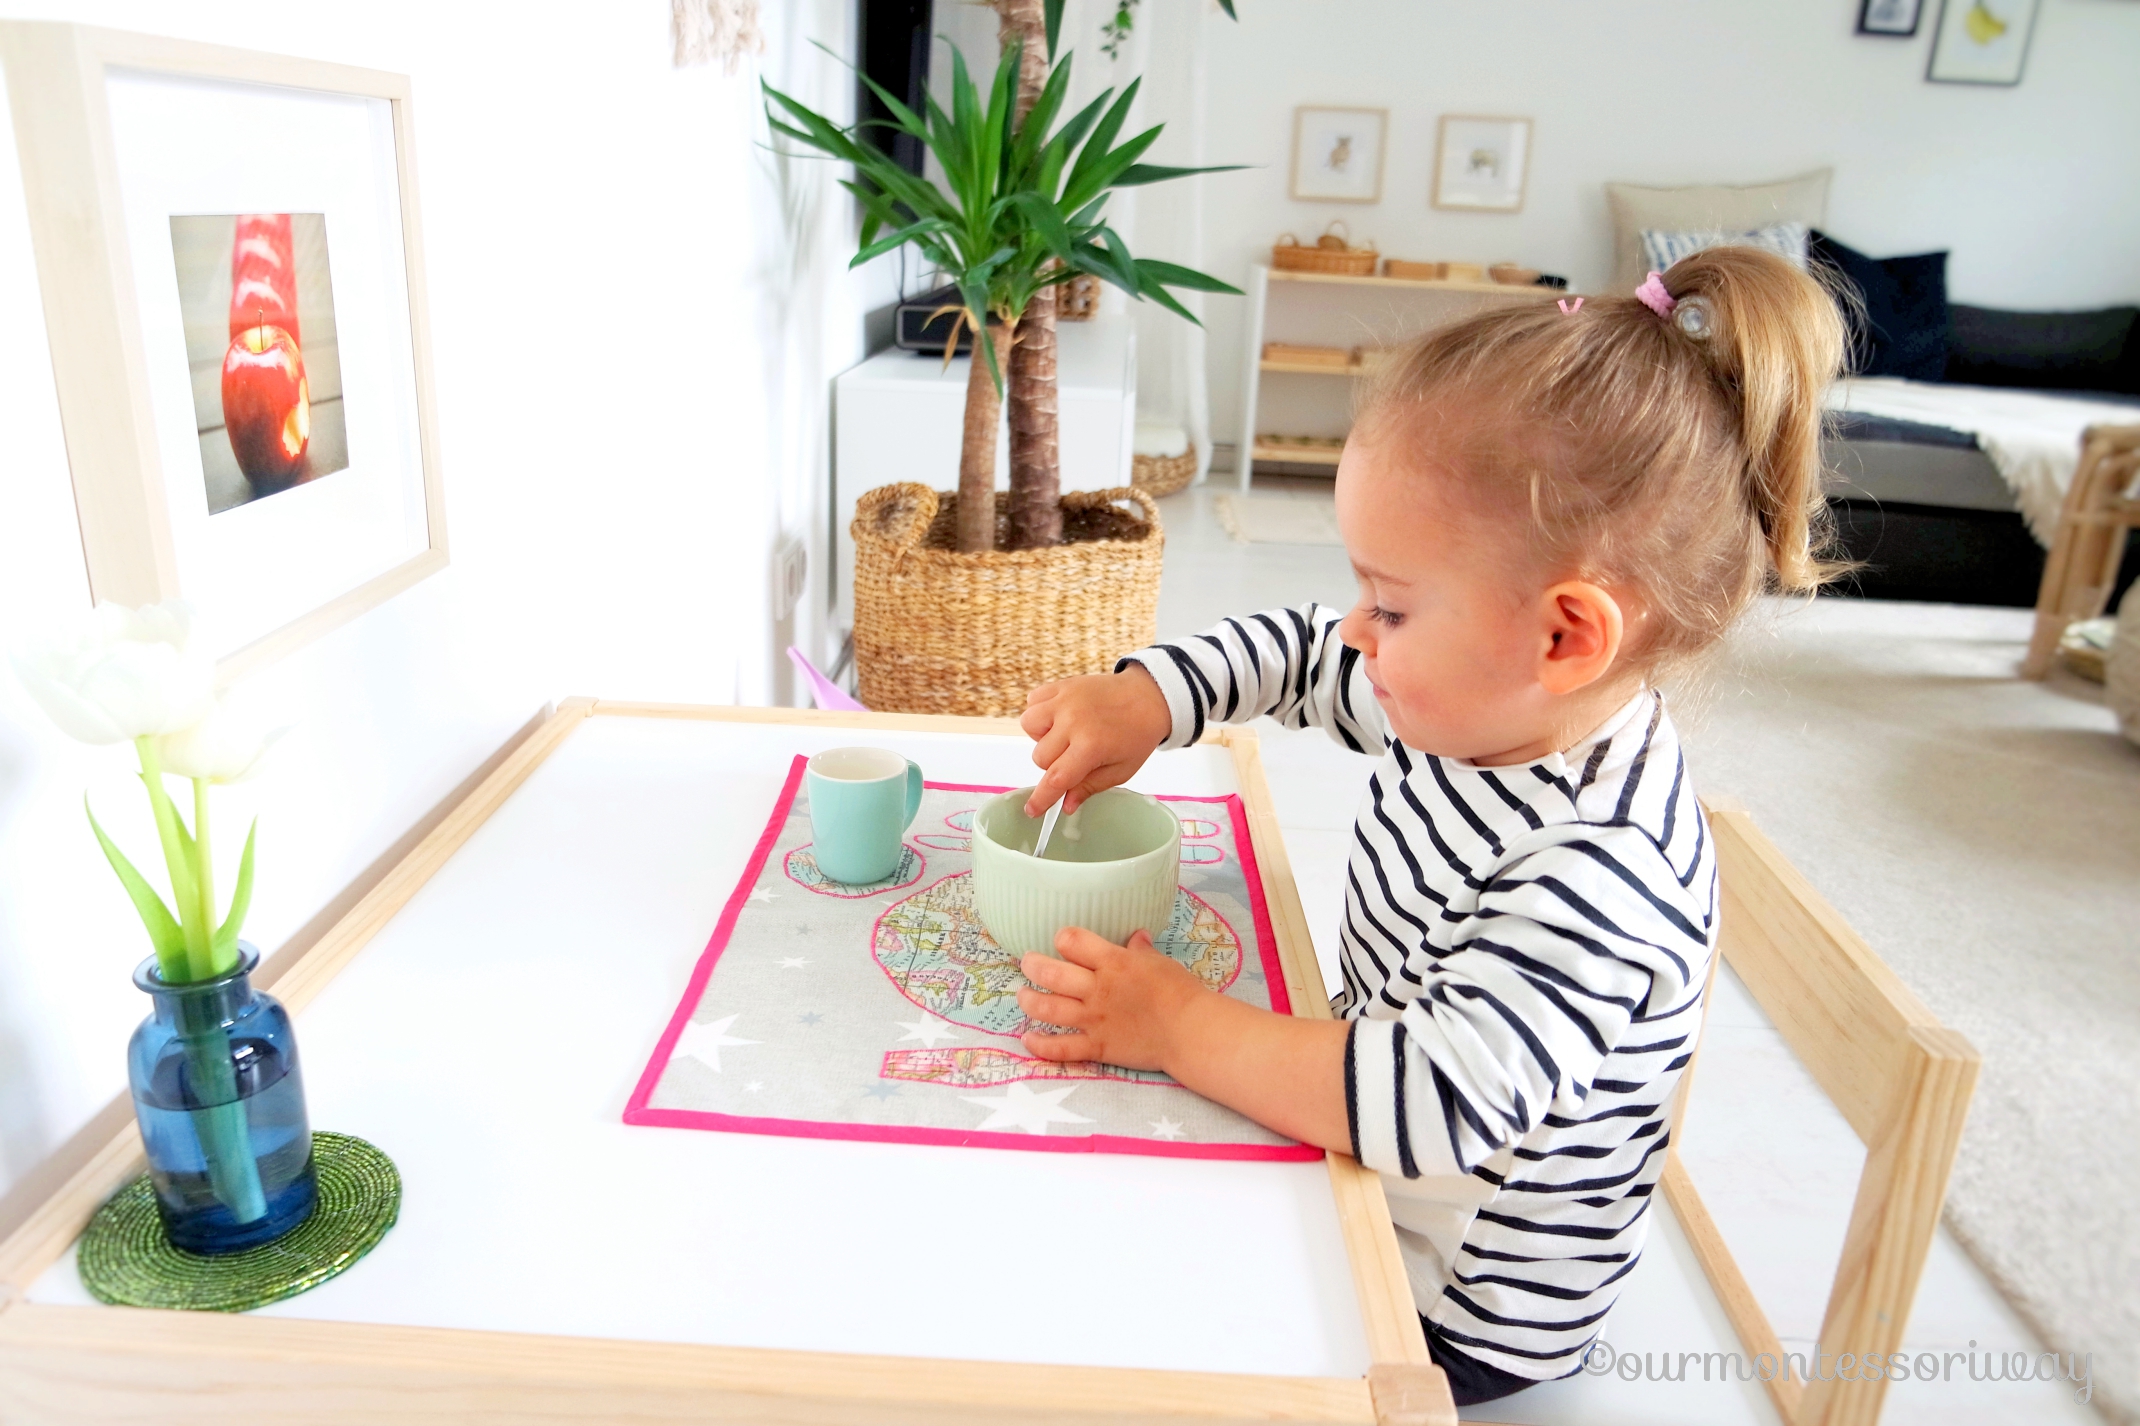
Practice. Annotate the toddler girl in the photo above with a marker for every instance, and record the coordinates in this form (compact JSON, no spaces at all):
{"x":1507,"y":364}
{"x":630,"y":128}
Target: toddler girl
{"x":1544,"y":508}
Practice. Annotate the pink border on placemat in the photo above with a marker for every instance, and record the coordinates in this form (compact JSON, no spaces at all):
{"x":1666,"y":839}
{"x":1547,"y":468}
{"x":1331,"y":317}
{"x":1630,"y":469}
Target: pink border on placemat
{"x":637,"y":1110}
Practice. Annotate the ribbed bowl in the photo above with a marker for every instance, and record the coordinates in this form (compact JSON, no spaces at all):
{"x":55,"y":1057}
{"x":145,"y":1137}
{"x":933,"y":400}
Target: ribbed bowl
{"x":1118,"y":878}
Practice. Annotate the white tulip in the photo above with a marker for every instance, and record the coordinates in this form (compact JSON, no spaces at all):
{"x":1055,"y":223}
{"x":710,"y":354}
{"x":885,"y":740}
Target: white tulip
{"x":122,"y":674}
{"x":225,"y":746}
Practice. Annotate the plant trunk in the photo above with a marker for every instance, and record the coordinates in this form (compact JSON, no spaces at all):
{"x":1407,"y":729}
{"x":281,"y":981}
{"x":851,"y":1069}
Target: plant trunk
{"x":977,"y":450}
{"x":1036,"y":463}
{"x":1036,"y":469}
{"x":1025,"y":21}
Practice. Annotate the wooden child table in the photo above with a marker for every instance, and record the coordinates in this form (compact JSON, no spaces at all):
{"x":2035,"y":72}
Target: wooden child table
{"x":482,"y":1015}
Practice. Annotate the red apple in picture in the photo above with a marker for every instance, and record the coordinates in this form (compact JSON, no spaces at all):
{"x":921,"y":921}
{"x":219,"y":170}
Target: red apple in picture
{"x":267,"y":407}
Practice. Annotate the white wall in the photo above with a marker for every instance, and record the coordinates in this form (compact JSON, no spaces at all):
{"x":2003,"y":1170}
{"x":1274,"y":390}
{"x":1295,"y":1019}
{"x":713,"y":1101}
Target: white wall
{"x":635,"y":315}
{"x":2034,"y":189}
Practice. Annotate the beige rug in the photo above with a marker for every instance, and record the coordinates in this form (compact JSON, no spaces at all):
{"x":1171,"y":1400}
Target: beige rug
{"x":1278,"y":519}
{"x":1983,"y":834}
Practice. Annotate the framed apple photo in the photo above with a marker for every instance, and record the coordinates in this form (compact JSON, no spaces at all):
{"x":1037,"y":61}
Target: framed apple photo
{"x":238,"y":336}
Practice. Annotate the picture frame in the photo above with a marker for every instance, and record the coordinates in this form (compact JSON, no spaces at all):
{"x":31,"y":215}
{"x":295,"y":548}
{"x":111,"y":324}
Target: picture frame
{"x":1481,"y":163}
{"x":1889,"y":19}
{"x":1981,"y":42}
{"x":1338,"y":154}
{"x":230,"y":256}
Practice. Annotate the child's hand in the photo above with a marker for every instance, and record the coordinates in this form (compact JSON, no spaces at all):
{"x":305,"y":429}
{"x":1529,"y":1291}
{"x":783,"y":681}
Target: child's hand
{"x":1121,"y":1004}
{"x":1092,"y":733}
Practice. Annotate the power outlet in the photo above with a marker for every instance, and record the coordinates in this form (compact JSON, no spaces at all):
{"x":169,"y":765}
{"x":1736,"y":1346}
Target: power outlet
{"x":790,"y":575}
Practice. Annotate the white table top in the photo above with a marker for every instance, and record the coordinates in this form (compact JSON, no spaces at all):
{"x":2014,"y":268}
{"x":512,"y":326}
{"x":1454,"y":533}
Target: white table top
{"x":487,"y":1039}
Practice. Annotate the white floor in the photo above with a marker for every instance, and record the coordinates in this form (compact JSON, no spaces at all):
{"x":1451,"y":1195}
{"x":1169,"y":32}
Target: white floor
{"x":1775,"y":1163}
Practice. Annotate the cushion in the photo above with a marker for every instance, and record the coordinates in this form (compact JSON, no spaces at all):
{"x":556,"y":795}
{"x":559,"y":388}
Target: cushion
{"x":1161,"y":439}
{"x":2054,"y":351}
{"x":1707,"y":208}
{"x":1661,"y":250}
{"x":1902,"y":328}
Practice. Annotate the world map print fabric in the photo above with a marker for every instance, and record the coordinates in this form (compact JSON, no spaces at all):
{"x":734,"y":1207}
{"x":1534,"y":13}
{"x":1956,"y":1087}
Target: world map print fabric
{"x":887,"y":1012}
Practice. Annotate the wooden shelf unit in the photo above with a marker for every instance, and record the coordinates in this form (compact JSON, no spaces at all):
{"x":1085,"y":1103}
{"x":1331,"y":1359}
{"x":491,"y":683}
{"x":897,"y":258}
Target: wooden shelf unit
{"x":1331,"y":310}
{"x":1299,"y":455}
{"x":1494,"y":289}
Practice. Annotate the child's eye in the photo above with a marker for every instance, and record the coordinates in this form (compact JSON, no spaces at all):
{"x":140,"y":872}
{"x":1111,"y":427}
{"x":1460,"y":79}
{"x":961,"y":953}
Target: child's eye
{"x":1387,"y":618}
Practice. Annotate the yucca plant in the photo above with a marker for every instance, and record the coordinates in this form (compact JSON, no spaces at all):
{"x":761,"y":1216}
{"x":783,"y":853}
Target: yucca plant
{"x":1021,"y":212}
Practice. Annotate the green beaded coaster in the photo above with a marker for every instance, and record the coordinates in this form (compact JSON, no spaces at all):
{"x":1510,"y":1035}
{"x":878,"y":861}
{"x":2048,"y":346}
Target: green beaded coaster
{"x":125,"y":1259}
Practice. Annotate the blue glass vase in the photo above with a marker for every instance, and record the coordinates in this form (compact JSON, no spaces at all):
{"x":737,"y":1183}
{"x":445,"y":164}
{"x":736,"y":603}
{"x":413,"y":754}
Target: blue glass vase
{"x":221,"y":1106}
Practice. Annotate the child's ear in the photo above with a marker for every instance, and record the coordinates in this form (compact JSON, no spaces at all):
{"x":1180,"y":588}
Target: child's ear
{"x":1584,"y":626}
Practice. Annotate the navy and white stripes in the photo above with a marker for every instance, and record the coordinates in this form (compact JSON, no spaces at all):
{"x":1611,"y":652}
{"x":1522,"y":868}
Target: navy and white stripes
{"x":1524,"y":951}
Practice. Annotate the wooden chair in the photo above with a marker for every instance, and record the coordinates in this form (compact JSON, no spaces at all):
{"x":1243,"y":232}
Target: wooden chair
{"x":2090,"y":541}
{"x":1900,"y":1078}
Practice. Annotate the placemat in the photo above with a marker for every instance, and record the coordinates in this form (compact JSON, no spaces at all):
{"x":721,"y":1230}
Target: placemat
{"x":126,"y":1260}
{"x":887,"y":1012}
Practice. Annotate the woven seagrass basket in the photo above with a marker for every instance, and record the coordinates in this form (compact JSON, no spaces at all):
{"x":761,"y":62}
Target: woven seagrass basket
{"x":937,"y":631}
{"x":1163,"y":475}
{"x":1330,"y":253}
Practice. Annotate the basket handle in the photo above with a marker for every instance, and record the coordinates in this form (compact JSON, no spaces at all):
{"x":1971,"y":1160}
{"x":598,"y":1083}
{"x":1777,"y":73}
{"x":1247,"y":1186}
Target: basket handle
{"x":1286,"y":240}
{"x":1345,"y":236}
{"x":1142,"y":501}
{"x":898,"y":514}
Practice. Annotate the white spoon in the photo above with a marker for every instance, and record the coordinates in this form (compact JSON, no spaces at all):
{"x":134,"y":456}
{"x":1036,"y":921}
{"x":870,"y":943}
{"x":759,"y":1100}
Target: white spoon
{"x":1047,"y":828}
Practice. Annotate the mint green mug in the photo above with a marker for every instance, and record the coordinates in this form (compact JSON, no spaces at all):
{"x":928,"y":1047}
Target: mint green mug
{"x":861,"y":800}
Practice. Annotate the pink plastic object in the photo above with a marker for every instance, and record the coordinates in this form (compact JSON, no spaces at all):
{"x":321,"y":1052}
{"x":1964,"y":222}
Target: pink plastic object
{"x":827,"y":694}
{"x":1652,"y":295}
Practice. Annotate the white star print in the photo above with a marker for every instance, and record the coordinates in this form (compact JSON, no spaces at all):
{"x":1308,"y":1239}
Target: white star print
{"x":754,"y":1086}
{"x":1165,"y":1128}
{"x":761,"y":896}
{"x":1021,"y":1108}
{"x":928,"y":1029}
{"x":702,"y":1041}
{"x":793,"y":962}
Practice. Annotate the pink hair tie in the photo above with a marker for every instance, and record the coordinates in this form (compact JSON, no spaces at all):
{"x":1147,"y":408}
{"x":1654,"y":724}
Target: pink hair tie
{"x":1652,"y":295}
{"x":1567,"y":309}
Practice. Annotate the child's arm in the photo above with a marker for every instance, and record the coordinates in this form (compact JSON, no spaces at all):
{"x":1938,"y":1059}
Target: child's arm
{"x":1131,"y":1006}
{"x":1094,"y":732}
{"x":1508,"y":1025}
{"x":1288,"y":664}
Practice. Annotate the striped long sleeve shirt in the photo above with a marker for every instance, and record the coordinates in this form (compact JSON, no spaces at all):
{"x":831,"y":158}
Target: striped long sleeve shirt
{"x":1524,"y":952}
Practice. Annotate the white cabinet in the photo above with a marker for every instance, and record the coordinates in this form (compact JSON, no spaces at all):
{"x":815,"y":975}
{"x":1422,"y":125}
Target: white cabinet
{"x":899,"y":416}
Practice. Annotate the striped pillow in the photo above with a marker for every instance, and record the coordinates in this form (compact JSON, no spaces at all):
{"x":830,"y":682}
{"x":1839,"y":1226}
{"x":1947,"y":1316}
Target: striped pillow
{"x":1787,"y":240}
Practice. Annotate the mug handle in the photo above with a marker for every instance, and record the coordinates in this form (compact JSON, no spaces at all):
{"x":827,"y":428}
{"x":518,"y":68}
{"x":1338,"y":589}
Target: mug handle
{"x":913,"y":793}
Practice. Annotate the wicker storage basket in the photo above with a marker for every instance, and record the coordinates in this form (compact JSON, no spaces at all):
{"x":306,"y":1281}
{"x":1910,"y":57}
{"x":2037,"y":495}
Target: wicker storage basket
{"x":1163,"y":475}
{"x":937,"y":631}
{"x":1078,"y":300}
{"x":1329,"y":253}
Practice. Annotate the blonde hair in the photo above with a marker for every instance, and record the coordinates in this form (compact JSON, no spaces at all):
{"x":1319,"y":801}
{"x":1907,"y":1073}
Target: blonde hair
{"x":1678,"y":454}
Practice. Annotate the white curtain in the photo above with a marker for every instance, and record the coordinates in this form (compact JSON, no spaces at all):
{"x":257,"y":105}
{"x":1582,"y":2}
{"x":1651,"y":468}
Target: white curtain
{"x":1167,"y":48}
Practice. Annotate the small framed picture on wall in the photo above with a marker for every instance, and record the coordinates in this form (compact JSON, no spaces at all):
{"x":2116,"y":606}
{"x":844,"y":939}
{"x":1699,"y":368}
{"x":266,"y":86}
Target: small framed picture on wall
{"x":1896,"y":19}
{"x":1981,"y":41}
{"x":1480,"y":163}
{"x":1337,"y":154}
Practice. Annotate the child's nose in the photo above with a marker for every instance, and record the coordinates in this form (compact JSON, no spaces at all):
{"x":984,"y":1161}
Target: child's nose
{"x":1358,"y":631}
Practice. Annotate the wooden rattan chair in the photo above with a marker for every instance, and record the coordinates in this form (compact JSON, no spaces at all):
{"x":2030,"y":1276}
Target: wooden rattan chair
{"x":2090,"y":541}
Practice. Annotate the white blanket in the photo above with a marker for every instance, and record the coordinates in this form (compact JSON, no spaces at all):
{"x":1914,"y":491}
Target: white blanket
{"x":2032,"y":439}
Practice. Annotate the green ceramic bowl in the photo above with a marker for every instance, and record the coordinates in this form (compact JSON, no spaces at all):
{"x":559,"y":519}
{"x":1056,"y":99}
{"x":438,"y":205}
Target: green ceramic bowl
{"x":1112,"y":867}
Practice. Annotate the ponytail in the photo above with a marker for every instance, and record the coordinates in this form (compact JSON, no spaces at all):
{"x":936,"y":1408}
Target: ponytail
{"x":1676,"y":452}
{"x":1774,"y":341}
